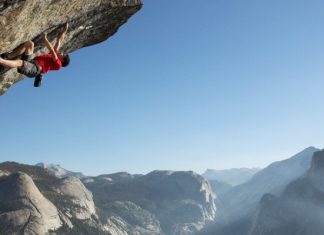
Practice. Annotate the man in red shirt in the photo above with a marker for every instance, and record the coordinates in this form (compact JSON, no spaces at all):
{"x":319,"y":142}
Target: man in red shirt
{"x":40,"y":64}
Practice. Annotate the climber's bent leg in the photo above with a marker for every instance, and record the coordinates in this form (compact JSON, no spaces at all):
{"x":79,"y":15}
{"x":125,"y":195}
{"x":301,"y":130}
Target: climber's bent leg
{"x":28,"y":68}
{"x":27,"y":48}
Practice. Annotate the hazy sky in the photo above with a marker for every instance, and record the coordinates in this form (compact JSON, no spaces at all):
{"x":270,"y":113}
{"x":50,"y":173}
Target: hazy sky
{"x":184,"y":85}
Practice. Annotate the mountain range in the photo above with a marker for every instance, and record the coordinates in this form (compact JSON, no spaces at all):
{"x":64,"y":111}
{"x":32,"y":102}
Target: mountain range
{"x":299,"y":209}
{"x":35,"y":201}
{"x":287,"y":197}
{"x":237,"y":213}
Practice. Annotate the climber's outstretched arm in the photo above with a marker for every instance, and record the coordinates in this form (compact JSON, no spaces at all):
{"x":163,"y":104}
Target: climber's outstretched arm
{"x":61,"y":36}
{"x":50,"y":47}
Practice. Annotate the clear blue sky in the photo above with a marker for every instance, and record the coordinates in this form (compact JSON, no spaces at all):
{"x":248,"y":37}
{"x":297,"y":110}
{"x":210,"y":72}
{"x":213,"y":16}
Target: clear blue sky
{"x":184,"y":85}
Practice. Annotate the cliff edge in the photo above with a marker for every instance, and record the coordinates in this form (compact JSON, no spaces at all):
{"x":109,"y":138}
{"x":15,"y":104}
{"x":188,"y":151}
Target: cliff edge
{"x":91,"y":22}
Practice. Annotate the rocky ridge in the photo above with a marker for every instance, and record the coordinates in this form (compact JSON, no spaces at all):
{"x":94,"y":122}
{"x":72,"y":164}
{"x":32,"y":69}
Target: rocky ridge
{"x":90,"y":22}
{"x":174,"y":202}
{"x":243,"y":198}
{"x":25,"y":210}
{"x":161,"y":202}
{"x":59,"y":171}
{"x":43,"y":198}
{"x":299,"y":209}
{"x":239,"y":204}
{"x":79,"y":197}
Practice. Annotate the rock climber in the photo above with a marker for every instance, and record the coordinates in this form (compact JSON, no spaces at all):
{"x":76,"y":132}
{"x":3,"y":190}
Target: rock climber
{"x":35,"y":67}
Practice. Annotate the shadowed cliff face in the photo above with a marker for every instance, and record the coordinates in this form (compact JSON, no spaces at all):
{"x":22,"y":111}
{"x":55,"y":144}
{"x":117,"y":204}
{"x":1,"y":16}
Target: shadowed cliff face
{"x":174,"y":202}
{"x":299,"y":210}
{"x":241,"y":204}
{"x":90,"y":22}
{"x":244,"y":198}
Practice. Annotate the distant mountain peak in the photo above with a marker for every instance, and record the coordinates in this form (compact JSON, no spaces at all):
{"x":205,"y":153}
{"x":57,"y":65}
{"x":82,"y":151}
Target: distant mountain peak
{"x":298,"y":209}
{"x":312,"y":148}
{"x":308,"y":150}
{"x":59,"y":171}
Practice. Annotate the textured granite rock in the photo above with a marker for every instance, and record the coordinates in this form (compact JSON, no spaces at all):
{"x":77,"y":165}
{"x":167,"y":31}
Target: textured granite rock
{"x":80,"y":204}
{"x":23,"y":208}
{"x":161,"y":202}
{"x":130,"y":219}
{"x":90,"y":22}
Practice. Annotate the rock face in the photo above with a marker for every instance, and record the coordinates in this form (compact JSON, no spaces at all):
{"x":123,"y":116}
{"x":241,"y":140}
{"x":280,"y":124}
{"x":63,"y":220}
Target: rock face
{"x":80,"y":201}
{"x":159,"y":203}
{"x":272,"y":179}
{"x":172,"y":202}
{"x":128,"y":218}
{"x":299,"y":210}
{"x":90,"y":22}
{"x":238,"y":206}
{"x":37,"y":202}
{"x":23,"y":209}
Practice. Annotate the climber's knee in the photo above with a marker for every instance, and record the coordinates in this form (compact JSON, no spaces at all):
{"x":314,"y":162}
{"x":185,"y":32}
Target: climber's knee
{"x":29,"y":47}
{"x":29,"y":44}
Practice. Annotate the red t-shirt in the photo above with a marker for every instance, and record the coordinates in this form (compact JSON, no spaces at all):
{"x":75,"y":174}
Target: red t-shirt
{"x":47,"y":63}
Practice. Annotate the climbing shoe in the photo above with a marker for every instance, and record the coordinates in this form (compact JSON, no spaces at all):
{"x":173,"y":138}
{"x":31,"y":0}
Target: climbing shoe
{"x":38,"y":81}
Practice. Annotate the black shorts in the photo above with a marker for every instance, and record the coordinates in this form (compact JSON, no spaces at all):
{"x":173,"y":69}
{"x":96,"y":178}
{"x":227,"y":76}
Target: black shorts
{"x":30,"y":68}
